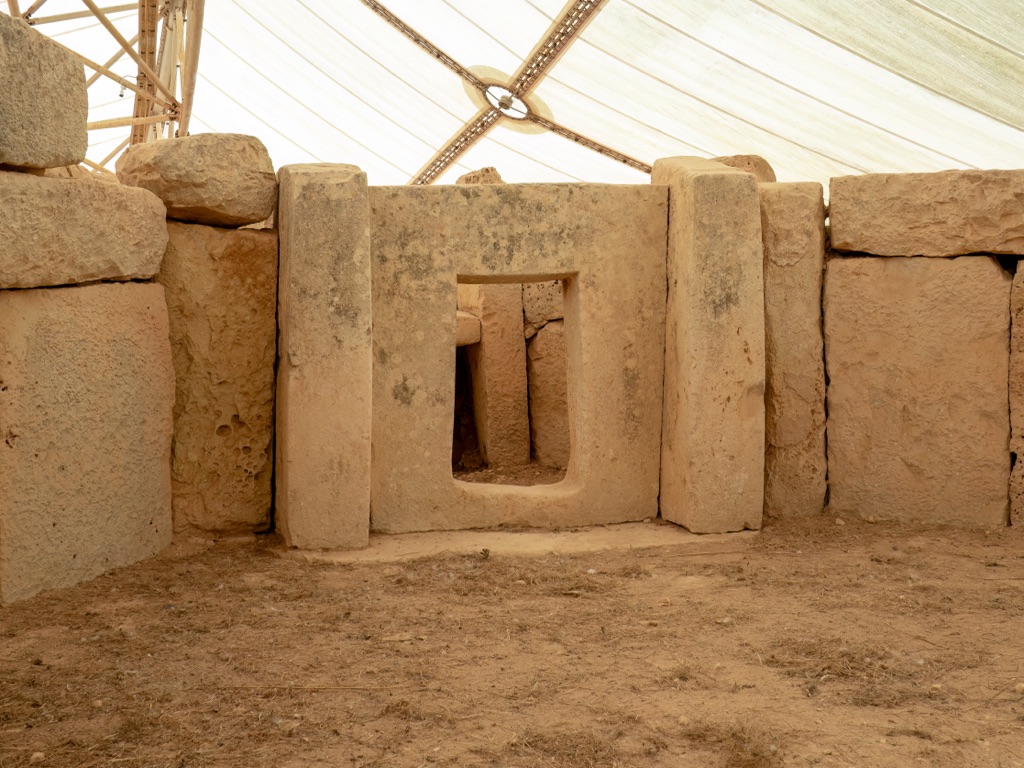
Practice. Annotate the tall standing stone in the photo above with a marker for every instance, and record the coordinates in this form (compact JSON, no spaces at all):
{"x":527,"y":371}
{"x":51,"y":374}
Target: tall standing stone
{"x":324,"y":386}
{"x":793,"y":234}
{"x":497,"y":367}
{"x":86,"y":400}
{"x":222,"y":299}
{"x":712,"y":460}
{"x":43,"y":103}
{"x":918,"y":356}
{"x":549,"y":410}
{"x":1017,"y":397}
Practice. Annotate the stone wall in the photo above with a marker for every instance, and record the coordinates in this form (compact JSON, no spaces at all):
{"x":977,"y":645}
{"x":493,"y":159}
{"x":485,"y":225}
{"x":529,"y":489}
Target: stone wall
{"x":923,"y":366}
{"x":93,"y":402}
{"x":86,"y":379}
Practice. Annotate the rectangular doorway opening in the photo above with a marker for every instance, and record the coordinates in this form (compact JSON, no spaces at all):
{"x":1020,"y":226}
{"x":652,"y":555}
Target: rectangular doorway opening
{"x":511,"y":422}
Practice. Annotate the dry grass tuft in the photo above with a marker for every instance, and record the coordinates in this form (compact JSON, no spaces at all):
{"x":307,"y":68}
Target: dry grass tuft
{"x":739,"y":746}
{"x":486,"y":574}
{"x":878,"y":676}
{"x":571,"y":749}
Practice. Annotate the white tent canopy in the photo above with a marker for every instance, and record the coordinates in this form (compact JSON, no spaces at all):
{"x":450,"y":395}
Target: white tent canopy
{"x":819,"y":88}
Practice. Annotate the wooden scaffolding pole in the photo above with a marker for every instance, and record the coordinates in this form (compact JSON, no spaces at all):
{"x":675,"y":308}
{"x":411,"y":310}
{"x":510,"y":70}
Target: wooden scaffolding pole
{"x":149,"y":16}
{"x":121,"y":81}
{"x":80,"y":14}
{"x":144,"y":68}
{"x":114,"y":152}
{"x":194,"y":10}
{"x":110,"y":62}
{"x":32,"y":9}
{"x":120,"y":122}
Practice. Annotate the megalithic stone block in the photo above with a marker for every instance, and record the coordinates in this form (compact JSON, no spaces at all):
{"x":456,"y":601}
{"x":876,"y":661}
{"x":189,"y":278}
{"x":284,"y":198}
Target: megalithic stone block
{"x":712,"y":455}
{"x":222,"y":296}
{"x":67,"y":231}
{"x":793,"y":232}
{"x":43,"y":102}
{"x":928,"y":214}
{"x":498,"y":371}
{"x":1017,"y":397}
{"x":918,"y":414}
{"x":223,"y":179}
{"x":324,"y":385}
{"x":86,"y":402}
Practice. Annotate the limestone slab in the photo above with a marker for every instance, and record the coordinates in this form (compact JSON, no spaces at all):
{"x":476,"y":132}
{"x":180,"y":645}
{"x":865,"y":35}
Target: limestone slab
{"x":608,"y":243}
{"x":497,"y":370}
{"x":549,"y":414}
{"x":712,"y":456}
{"x":918,"y":354}
{"x":222,"y":298}
{"x":793,"y":236}
{"x":65,"y":231}
{"x":754,"y":164}
{"x":86,"y":400}
{"x":928,"y":214}
{"x":1017,"y":397}
{"x":224,"y":179}
{"x":43,"y":103}
{"x":324,"y":383}
{"x":467,"y":328}
{"x":542,"y":302}
{"x":486,"y":175}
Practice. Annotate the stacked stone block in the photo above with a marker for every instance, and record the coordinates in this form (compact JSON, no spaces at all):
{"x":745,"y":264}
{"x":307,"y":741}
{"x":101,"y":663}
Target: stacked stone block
{"x":221,"y":284}
{"x":923,"y":377}
{"x":86,"y":381}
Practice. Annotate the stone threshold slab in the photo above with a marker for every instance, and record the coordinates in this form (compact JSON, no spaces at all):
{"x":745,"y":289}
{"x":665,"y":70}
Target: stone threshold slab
{"x":386,"y":548}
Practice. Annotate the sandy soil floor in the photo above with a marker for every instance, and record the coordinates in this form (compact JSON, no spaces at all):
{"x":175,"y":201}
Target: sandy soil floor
{"x":813,"y":644}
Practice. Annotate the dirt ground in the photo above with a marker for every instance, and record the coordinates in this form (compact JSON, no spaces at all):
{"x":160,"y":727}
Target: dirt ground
{"x":812,"y":644}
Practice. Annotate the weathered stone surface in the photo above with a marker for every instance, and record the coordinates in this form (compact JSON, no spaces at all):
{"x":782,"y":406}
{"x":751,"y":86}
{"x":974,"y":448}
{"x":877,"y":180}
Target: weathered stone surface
{"x":793,"y":236}
{"x":754,"y":164}
{"x":497,"y":370}
{"x":928,"y":214}
{"x":224,"y":179}
{"x":1017,"y":397}
{"x":43,"y":102}
{"x":483,"y":176}
{"x":86,"y":396}
{"x":542,"y":302}
{"x":712,"y":457}
{"x":64,"y":231}
{"x":325,"y":371}
{"x":467,"y":328}
{"x":918,"y":353}
{"x":222,"y":299}
{"x":609,"y":242}
{"x":549,"y":409}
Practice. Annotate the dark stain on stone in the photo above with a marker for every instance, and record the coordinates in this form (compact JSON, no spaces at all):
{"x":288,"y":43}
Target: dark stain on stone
{"x":403,"y":393}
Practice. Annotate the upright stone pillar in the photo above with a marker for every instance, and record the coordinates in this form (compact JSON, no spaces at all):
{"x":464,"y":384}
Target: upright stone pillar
{"x":793,"y":231}
{"x":498,"y":371}
{"x":712,"y":452}
{"x":325,"y":372}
